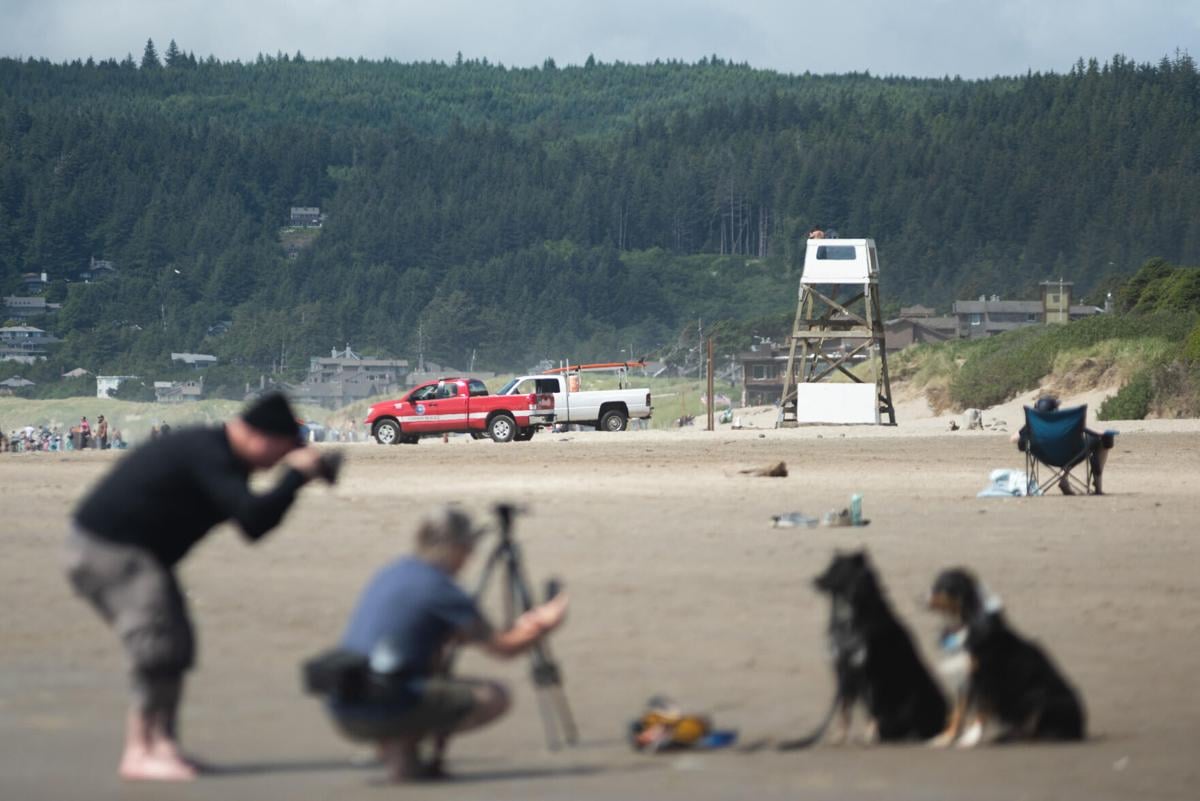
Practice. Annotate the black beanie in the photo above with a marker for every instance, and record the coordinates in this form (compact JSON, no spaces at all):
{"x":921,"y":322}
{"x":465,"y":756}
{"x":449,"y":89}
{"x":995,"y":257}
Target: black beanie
{"x":1046,"y":403}
{"x":271,"y":414}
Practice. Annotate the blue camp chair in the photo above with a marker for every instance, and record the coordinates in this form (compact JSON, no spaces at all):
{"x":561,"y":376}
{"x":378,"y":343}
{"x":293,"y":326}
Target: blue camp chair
{"x":1056,"y":440}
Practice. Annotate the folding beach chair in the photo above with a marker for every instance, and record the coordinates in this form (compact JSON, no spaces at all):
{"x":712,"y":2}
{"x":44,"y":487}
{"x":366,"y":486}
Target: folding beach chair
{"x":1056,"y":440}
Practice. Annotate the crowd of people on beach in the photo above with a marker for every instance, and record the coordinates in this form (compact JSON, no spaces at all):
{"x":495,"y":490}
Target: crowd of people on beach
{"x":81,"y":436}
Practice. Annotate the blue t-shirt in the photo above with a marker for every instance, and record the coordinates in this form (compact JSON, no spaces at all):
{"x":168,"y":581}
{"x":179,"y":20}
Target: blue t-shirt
{"x":412,"y":609}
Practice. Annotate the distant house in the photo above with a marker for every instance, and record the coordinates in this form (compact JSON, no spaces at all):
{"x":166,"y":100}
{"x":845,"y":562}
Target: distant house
{"x":34,"y":283}
{"x":78,"y":372}
{"x":24,"y":343}
{"x":107,"y":384}
{"x":902,"y":332}
{"x":21,"y":307}
{"x":21,"y":333}
{"x":989,"y":316}
{"x":306,"y":216}
{"x":196,"y":360}
{"x":16,"y":382}
{"x":178,"y":391}
{"x":917,"y":312}
{"x":344,"y":377}
{"x":98,"y":270}
{"x":763,"y":370}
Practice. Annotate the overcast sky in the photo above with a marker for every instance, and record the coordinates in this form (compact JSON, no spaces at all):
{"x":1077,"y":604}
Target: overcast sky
{"x":923,"y":38}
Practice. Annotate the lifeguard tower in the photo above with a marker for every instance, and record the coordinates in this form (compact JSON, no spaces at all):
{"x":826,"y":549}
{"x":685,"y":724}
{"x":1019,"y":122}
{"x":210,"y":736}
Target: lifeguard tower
{"x":838,"y":325}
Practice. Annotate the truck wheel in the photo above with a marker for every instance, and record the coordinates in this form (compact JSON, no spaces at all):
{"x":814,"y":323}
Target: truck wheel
{"x":524,"y":435}
{"x":502,"y":428}
{"x":387,"y":432}
{"x":613,"y":420}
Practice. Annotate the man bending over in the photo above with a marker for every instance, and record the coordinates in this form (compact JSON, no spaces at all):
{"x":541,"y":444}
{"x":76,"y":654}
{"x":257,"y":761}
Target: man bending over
{"x":140,"y":520}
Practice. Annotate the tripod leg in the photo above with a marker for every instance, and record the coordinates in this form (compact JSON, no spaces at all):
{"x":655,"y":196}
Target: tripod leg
{"x":552,"y":699}
{"x":557,"y":698}
{"x":549,"y":724}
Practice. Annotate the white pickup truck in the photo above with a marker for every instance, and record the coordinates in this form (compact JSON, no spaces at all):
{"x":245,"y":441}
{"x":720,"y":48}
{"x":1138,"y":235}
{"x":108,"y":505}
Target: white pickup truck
{"x":606,"y":409}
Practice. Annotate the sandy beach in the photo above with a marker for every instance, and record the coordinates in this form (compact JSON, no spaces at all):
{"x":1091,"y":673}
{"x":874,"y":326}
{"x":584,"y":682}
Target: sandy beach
{"x":679,"y":585}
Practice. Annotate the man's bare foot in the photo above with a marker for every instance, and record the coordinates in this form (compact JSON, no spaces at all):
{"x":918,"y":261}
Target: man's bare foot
{"x":402,"y":761}
{"x":147,"y":766}
{"x":169,"y":750}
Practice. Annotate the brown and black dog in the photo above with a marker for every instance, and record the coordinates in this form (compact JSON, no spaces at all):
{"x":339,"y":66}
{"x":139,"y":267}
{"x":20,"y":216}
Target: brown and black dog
{"x":1006,"y":676}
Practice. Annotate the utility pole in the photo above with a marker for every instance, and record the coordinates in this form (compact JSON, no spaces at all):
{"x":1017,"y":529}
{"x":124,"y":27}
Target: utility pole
{"x":711,"y":401}
{"x":420,"y":348}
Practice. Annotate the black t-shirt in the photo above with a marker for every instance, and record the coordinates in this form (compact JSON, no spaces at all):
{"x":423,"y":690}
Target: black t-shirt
{"x":170,"y":492}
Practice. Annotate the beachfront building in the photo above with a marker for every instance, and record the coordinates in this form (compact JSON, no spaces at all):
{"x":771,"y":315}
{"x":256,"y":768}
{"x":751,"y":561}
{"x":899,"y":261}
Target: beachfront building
{"x":178,"y":391}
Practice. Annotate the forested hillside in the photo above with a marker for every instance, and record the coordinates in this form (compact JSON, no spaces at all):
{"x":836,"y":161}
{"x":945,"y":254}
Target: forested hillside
{"x":549,"y":212}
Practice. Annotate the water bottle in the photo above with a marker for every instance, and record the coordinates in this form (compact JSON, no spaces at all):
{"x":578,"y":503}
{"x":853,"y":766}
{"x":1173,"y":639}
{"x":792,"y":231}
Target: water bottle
{"x":856,"y":509}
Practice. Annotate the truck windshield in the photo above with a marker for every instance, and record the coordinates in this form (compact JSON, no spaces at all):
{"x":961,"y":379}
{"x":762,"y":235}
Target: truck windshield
{"x":505,"y":389}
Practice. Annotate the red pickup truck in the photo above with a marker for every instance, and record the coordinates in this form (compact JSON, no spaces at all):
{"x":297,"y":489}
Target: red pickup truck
{"x":459,"y":405}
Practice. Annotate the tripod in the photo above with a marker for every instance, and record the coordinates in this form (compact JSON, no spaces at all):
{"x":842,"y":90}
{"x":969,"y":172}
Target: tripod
{"x":547,"y":678}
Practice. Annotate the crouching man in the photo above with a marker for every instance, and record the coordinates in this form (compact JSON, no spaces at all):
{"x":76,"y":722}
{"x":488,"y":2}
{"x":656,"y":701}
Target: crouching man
{"x":411,"y":613}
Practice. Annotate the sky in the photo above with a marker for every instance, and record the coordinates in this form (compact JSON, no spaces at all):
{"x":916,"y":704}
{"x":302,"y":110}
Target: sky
{"x":916,"y":38}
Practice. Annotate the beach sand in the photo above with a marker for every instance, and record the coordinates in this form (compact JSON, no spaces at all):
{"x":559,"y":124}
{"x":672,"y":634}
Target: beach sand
{"x":678,"y":585}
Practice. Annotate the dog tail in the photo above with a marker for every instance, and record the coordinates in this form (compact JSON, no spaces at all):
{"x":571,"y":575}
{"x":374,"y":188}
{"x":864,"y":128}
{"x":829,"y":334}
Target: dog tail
{"x":815,"y":737}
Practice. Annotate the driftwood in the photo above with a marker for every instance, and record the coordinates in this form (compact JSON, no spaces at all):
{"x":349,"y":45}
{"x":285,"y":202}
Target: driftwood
{"x":777,"y":470}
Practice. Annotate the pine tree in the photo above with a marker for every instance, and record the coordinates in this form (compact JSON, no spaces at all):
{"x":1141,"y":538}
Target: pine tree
{"x":174,"y":57}
{"x":150,"y":57}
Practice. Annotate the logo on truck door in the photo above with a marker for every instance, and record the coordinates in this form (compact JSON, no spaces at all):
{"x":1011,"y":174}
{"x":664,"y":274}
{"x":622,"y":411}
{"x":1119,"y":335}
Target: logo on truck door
{"x":420,"y":408}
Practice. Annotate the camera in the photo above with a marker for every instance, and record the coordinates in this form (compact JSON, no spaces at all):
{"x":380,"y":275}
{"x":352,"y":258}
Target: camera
{"x":330,"y":466}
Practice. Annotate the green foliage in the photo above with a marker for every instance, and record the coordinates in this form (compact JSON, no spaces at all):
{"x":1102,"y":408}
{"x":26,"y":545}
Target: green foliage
{"x":505,"y":215}
{"x":1132,"y":401}
{"x":999,"y":368}
{"x":1158,"y":287}
{"x":1191,"y":346}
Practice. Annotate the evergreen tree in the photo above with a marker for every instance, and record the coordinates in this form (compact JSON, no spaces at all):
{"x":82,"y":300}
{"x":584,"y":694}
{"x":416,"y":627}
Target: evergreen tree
{"x":173,"y":57}
{"x":150,"y":57}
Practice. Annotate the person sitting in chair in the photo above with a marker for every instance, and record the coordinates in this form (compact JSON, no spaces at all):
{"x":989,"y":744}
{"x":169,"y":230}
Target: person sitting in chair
{"x":410,"y":615}
{"x":1098,"y":445}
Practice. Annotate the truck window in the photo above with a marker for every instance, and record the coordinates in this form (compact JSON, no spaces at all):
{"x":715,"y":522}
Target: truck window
{"x":547,"y":386}
{"x":424,"y":393}
{"x":447,"y":390}
{"x":476,"y":388}
{"x":527,"y":387}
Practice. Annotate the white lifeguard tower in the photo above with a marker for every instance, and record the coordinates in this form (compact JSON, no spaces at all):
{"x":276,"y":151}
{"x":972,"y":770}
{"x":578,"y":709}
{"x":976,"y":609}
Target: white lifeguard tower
{"x":838,"y":325}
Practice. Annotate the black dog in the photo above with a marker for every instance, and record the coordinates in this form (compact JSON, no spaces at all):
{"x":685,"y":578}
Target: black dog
{"x":874,"y":660}
{"x":1009,"y":677}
